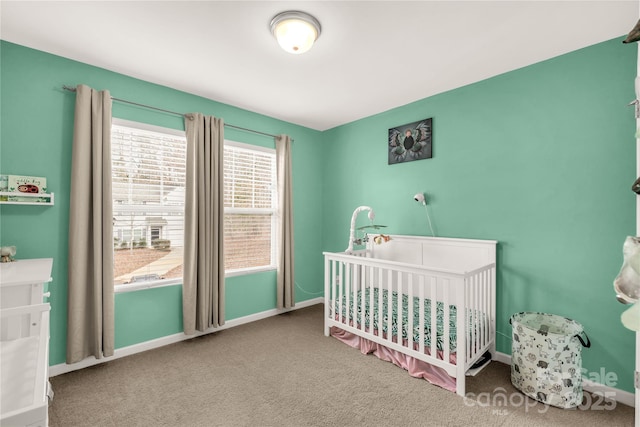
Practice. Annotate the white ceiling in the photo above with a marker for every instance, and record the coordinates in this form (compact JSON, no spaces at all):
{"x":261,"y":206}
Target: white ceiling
{"x":371,"y":56}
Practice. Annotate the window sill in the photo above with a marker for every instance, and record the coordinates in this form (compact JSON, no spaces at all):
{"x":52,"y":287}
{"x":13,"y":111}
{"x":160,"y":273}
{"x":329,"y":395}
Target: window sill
{"x":132,"y":287}
{"x":245,"y":271}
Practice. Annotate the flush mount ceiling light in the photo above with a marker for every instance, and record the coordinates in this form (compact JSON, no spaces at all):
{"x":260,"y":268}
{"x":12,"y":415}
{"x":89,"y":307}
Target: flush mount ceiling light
{"x":295,"y":31}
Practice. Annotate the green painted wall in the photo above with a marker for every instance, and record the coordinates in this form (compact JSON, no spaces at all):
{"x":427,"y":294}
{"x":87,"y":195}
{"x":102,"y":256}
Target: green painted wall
{"x":540,"y":159}
{"x":37,"y":130}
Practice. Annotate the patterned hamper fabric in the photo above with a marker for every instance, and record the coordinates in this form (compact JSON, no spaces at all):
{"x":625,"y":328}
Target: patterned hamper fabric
{"x":405,"y":317}
{"x":546,"y":359}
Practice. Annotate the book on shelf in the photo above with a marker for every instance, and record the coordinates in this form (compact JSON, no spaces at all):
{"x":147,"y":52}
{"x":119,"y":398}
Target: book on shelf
{"x":21,"y":184}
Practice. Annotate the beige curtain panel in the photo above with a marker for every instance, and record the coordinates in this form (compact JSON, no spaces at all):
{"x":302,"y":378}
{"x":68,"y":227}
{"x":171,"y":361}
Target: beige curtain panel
{"x":203,"y":274}
{"x":285,"y":275}
{"x":90,"y":321}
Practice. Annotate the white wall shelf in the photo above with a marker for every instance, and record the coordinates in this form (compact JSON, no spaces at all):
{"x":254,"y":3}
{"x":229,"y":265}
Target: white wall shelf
{"x":48,"y":196}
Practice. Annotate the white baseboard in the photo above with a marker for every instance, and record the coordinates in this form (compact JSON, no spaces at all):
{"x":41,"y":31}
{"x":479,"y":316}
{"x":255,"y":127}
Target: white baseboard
{"x":63,"y":368}
{"x":502,"y":358}
{"x":618,"y":395}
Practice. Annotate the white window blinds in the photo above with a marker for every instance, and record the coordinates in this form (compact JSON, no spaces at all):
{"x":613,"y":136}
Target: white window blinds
{"x":148,"y":203}
{"x":250,"y":206}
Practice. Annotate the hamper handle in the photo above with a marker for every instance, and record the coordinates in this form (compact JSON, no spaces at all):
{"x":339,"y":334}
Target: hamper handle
{"x":588,"y":344}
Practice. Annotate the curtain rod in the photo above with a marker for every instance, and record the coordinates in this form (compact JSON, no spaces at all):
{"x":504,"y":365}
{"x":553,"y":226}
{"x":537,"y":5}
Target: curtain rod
{"x":73,"y":89}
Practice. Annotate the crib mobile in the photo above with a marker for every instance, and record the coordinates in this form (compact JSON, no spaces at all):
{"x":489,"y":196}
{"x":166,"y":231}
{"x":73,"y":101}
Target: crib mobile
{"x":381,"y":238}
{"x":359,"y":241}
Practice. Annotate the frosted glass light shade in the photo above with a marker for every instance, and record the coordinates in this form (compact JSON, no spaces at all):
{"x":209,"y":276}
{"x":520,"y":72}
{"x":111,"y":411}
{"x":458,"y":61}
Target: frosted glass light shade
{"x":295,"y":31}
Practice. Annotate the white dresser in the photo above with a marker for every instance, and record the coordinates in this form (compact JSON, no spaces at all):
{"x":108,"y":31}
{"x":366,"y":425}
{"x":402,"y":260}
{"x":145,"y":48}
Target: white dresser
{"x":22,"y":281}
{"x":24,"y":342}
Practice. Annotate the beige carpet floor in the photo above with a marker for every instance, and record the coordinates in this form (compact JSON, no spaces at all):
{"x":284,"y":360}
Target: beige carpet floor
{"x":282,"y":371}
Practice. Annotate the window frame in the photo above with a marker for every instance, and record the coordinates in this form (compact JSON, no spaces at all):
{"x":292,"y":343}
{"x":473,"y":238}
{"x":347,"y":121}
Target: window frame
{"x":129,"y":287}
{"x":273,"y":212}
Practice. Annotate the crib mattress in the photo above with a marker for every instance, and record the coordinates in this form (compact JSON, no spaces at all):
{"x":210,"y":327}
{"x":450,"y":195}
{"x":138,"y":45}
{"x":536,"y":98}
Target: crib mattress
{"x":401,"y":324}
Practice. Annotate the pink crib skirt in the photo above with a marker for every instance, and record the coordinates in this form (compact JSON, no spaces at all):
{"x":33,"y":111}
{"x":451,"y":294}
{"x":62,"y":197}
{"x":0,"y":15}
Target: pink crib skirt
{"x":416,"y":368}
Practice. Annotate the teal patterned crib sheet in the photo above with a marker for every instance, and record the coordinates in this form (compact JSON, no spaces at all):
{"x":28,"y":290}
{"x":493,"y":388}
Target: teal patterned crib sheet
{"x":405,"y":316}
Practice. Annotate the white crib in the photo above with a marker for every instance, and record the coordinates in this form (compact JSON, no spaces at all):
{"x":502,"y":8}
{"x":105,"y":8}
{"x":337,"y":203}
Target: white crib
{"x":406,"y":286}
{"x":24,"y":343}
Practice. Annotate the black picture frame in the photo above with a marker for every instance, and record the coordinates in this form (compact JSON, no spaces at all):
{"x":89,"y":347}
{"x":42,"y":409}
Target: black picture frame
{"x":411,"y":141}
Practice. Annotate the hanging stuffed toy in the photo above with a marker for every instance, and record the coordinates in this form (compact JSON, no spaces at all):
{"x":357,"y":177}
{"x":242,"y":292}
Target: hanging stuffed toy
{"x":631,"y":317}
{"x":627,"y":283}
{"x":380,"y":239}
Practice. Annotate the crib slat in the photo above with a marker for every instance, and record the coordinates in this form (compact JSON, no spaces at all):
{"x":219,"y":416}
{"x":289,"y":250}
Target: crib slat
{"x":493,"y":309}
{"x":434,"y":320}
{"x":355,"y":289}
{"x":421,"y":315}
{"x":352,"y":295}
{"x":463,"y":356}
{"x":479,"y":330}
{"x":399,"y":310}
{"x":364,"y":280}
{"x":371,"y":307}
{"x":472,"y":315}
{"x":347,"y":292}
{"x":332,"y":293}
{"x":487,"y":307}
{"x":446,"y":342}
{"x":483,"y":308}
{"x":478,"y":319}
{"x":328,"y":280}
{"x":380,"y":306}
{"x":410,"y":311}
{"x":340,"y":292}
{"x":389,"y":305}
{"x":469,"y":318}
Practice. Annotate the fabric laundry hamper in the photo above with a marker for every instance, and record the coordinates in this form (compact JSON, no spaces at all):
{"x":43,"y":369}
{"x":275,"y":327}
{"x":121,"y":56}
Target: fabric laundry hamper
{"x":546,"y":358}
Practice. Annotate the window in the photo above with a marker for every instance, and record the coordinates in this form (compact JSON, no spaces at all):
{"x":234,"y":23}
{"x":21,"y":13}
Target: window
{"x":155,"y":233}
{"x":148,"y":179}
{"x":249,"y":207}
